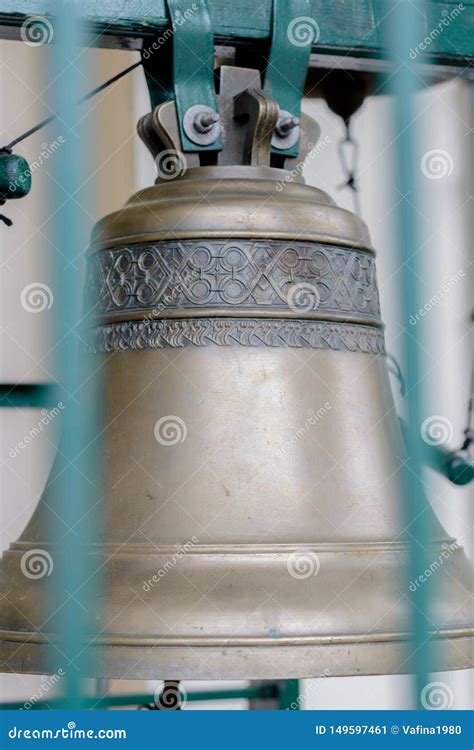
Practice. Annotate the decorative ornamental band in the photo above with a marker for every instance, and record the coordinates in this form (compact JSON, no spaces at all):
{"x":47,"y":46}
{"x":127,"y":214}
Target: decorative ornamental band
{"x":233,"y":277}
{"x":158,"y":334}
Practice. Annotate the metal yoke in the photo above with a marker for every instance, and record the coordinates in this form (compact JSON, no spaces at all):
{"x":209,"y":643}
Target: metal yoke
{"x":200,"y":115}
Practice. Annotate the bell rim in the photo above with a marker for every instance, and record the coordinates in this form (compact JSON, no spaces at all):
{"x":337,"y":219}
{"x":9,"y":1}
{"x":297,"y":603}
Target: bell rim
{"x":260,"y":662}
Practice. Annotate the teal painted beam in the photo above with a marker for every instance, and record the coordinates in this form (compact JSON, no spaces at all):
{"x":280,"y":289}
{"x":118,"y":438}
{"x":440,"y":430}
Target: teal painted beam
{"x":140,"y":699}
{"x":405,"y":30}
{"x":74,"y":486}
{"x":352,"y":27}
{"x":29,"y":396}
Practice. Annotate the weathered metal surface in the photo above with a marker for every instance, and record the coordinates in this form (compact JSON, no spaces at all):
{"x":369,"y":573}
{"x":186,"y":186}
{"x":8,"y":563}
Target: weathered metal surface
{"x":234,"y":278}
{"x":298,"y":334}
{"x":169,"y":210}
{"x":347,"y":27}
{"x":253,"y":486}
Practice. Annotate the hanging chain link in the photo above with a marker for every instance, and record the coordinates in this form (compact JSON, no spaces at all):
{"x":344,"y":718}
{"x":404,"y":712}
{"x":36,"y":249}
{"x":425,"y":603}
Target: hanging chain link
{"x":348,"y":149}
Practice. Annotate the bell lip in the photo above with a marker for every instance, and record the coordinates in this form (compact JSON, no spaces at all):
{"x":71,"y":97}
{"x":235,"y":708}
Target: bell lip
{"x":260,"y":662}
{"x":192,"y":641}
{"x":178,"y":209}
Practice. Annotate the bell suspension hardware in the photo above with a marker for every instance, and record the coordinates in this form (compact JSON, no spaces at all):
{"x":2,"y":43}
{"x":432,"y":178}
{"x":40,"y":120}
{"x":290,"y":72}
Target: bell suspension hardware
{"x":285,"y":74}
{"x":345,"y":92}
{"x":193,"y":76}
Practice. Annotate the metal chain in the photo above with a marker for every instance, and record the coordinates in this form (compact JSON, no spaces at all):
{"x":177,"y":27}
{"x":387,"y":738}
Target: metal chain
{"x":348,"y":149}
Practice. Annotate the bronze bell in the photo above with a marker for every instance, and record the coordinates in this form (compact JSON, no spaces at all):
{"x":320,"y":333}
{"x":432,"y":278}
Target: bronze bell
{"x":253,"y":495}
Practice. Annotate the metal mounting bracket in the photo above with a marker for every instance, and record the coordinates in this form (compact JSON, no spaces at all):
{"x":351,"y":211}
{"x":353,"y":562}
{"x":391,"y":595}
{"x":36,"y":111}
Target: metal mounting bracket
{"x":294,"y":31}
{"x":193,"y":75}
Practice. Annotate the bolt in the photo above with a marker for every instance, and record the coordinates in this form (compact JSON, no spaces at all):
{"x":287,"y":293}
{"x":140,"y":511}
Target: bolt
{"x":285,"y":125}
{"x":205,"y":121}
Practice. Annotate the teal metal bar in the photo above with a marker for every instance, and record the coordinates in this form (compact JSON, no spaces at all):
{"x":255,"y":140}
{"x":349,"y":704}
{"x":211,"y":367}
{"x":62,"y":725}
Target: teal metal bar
{"x":269,"y":692}
{"x":290,"y":696}
{"x":28,"y":395}
{"x":74,"y":486}
{"x":349,"y":28}
{"x":292,"y":37}
{"x":193,"y":64}
{"x":406,"y":26}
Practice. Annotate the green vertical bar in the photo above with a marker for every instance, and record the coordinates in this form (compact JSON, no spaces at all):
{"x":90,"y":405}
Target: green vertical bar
{"x":290,"y":695}
{"x":405,"y":25}
{"x":75,"y":484}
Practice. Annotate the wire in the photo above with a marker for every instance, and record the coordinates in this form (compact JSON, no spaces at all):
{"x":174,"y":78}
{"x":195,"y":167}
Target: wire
{"x":40,"y":125}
